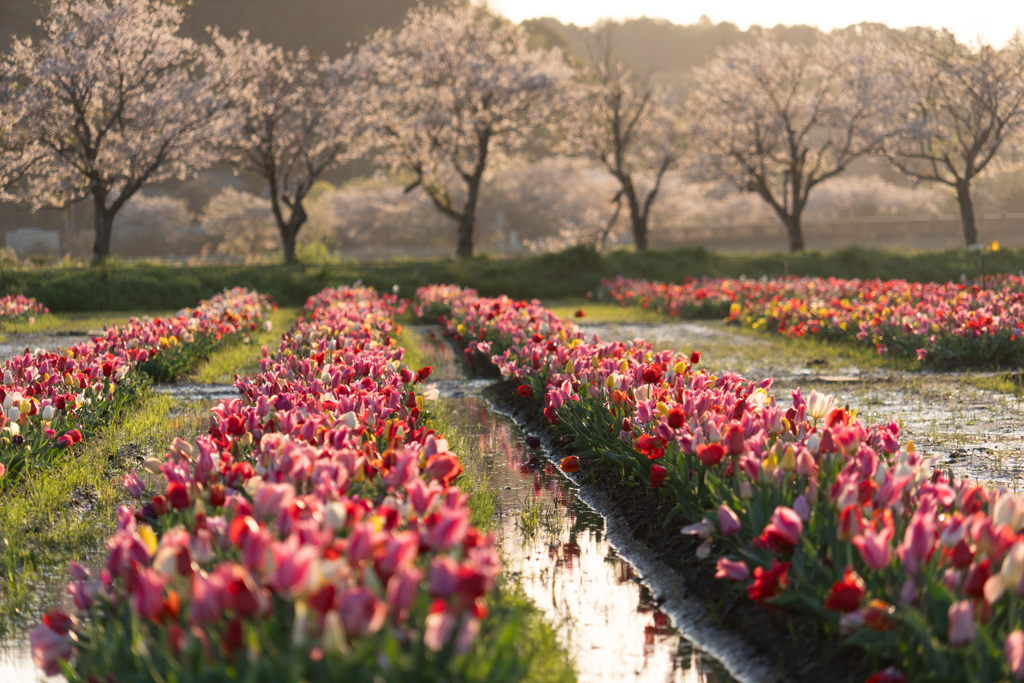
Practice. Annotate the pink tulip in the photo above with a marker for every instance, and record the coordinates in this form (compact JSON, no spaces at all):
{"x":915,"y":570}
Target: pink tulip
{"x":449,"y":529}
{"x":208,"y":598}
{"x":421,"y":495}
{"x":802,"y":508}
{"x":134,"y":485}
{"x":1013,"y":650}
{"x":918,"y":540}
{"x":438,"y":631}
{"x":732,"y":570}
{"x":399,"y":552}
{"x":874,"y":548}
{"x":402,"y":589}
{"x":788,"y":524}
{"x":361,"y":613}
{"x":271,"y":498}
{"x":294,"y":564}
{"x":444,"y":576}
{"x":49,"y":648}
{"x":961,"y":623}
{"x":728,"y":522}
{"x":148,"y":593}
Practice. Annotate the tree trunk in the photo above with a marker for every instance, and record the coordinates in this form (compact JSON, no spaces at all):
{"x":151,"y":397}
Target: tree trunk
{"x":794,"y":231}
{"x":468,"y":217}
{"x":637,"y":217}
{"x":639,"y":231}
{"x":104,"y":224}
{"x":290,"y":232}
{"x":963,"y":197}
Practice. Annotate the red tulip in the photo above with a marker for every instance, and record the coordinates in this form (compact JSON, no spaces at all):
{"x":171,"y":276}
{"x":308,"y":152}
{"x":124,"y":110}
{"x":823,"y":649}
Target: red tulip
{"x":890,"y":675}
{"x":525,"y":390}
{"x":177,"y":495}
{"x":768,"y":582}
{"x":847,"y":593}
{"x":569,"y":464}
{"x":710,"y":453}
{"x":658,"y":476}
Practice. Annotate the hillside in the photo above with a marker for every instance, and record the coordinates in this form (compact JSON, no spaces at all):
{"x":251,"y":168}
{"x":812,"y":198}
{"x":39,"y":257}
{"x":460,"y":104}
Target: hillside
{"x":321,"y":25}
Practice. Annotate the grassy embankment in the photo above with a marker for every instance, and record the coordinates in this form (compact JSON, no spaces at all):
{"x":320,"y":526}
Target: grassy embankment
{"x":571,"y":273}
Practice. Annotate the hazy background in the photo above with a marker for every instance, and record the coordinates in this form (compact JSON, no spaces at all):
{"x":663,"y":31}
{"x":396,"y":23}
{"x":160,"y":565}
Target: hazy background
{"x":540,"y":206}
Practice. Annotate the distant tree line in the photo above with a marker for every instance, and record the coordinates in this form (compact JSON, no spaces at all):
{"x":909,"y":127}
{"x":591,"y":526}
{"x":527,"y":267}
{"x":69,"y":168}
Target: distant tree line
{"x":112,"y":97}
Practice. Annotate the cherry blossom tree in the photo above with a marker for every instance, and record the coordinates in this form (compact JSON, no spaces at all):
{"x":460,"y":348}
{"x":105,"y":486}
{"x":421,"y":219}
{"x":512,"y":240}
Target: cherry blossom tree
{"x":115,"y":103}
{"x":451,"y":93}
{"x":778,"y":119}
{"x":626,"y":125}
{"x":17,"y":151}
{"x":953,"y":108}
{"x":292,"y":120}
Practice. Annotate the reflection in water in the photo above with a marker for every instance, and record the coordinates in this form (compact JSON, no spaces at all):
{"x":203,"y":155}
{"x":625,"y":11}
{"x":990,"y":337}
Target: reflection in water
{"x":604,"y":616}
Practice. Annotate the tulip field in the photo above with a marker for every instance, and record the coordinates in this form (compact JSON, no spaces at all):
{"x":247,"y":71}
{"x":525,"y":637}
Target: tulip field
{"x":799,"y":504}
{"x":939,"y":325}
{"x":319,"y":526}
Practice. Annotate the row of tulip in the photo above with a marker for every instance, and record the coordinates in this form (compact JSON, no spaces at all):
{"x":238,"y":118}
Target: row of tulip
{"x":798,"y":503}
{"x":940,"y":324}
{"x":314,"y":533}
{"x":51,"y":398}
{"x":18,"y":307}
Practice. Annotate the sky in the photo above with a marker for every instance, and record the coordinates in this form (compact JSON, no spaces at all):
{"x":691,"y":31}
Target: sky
{"x":991,"y":20}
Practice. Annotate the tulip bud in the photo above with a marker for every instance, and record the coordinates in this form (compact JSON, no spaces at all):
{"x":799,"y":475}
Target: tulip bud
{"x":8,"y":378}
{"x":48,"y":413}
{"x":788,"y":461}
{"x":746,"y":490}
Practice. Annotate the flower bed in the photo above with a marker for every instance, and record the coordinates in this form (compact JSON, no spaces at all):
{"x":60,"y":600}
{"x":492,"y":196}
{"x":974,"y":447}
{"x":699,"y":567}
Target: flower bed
{"x":313,"y":534}
{"x":941,"y":324}
{"x":18,"y":307}
{"x":51,"y":399}
{"x":800,"y":505}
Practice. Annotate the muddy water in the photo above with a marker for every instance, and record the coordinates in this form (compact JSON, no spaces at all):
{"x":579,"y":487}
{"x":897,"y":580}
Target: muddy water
{"x":974,"y":432}
{"x":555,"y":544}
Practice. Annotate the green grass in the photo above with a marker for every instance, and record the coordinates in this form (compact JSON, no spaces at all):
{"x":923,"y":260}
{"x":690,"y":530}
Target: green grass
{"x":67,"y":514}
{"x":1006,"y":383}
{"x":572,"y":273}
{"x":603,"y":312}
{"x":244,"y":358}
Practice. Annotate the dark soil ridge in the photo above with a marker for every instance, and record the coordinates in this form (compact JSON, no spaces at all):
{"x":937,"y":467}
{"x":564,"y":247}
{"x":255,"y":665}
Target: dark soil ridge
{"x":754,"y":642}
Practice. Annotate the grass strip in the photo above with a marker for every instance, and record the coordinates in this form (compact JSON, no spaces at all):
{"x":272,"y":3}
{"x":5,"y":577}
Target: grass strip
{"x":67,"y":513}
{"x":244,"y":358}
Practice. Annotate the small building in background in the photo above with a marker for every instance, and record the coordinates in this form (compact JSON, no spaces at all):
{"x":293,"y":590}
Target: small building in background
{"x":33,"y":242}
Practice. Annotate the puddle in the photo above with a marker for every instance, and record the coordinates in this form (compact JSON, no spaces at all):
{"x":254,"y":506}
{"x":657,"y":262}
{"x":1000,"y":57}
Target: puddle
{"x":975,"y":432}
{"x":186,"y":391}
{"x":14,"y":344}
{"x":603,"y":615}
